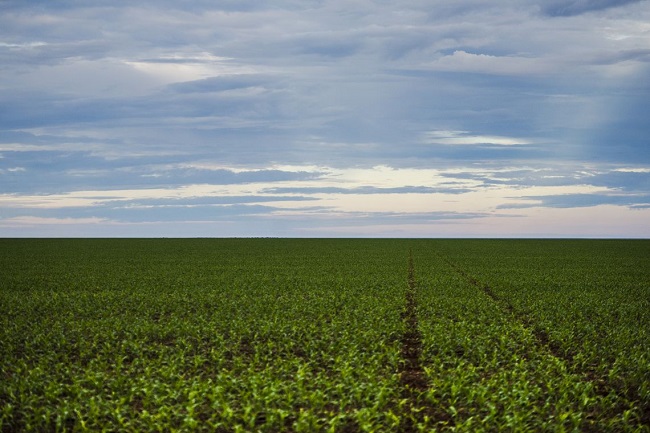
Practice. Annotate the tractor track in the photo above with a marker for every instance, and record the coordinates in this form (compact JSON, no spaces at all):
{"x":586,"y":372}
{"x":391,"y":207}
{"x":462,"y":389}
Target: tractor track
{"x":541,"y":337}
{"x":412,"y":375}
{"x":601,"y":385}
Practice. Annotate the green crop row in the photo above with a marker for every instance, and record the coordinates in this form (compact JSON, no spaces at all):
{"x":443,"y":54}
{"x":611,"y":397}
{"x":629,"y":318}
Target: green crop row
{"x":293,"y":335}
{"x":215,"y":336}
{"x":586,"y":301}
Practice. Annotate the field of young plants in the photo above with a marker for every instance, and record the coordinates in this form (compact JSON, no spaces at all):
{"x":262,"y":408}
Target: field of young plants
{"x":332,"y":335}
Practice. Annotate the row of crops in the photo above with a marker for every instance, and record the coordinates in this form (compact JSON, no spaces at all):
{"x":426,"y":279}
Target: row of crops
{"x":269,"y":335}
{"x":537,"y":335}
{"x":587,"y":303}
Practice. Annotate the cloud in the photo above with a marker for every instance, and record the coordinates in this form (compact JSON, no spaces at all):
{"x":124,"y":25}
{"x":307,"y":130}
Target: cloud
{"x":26,"y":221}
{"x":560,"y":8}
{"x":632,"y":170}
{"x":181,"y":67}
{"x":13,"y":170}
{"x":224,"y":83}
{"x":582,"y":200}
{"x":362,"y":190}
{"x":288,"y":115}
{"x":462,"y":61}
{"x":463,"y":138}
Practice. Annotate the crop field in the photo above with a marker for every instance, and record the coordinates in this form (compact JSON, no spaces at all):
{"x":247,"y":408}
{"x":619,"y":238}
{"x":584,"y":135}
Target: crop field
{"x":331,"y":335}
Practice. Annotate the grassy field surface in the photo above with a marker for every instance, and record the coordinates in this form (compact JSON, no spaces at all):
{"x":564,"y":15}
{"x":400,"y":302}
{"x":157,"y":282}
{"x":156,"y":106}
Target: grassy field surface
{"x":338,"y":335}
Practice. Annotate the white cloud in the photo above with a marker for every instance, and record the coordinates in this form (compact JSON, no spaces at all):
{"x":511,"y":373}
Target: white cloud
{"x":462,"y":61}
{"x":12,"y":169}
{"x":455,"y":138}
{"x":633,"y":170}
{"x":481,"y":198}
{"x":211,"y":166}
{"x":64,"y":147}
{"x":26,"y":221}
{"x":23,"y":45}
{"x":181,"y":67}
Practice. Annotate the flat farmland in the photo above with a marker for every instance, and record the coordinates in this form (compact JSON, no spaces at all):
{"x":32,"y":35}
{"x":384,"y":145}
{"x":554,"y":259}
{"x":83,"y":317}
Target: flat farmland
{"x":332,"y":335}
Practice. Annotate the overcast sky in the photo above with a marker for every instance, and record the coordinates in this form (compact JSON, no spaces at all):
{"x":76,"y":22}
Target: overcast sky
{"x":312,"y":118}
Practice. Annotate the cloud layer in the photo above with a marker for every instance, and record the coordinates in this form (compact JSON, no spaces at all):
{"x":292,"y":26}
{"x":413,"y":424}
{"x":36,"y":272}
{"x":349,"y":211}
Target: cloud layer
{"x":336,"y":118}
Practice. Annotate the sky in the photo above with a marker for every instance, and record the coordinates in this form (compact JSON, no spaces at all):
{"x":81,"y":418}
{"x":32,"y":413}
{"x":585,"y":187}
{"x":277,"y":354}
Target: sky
{"x":317,"y":118}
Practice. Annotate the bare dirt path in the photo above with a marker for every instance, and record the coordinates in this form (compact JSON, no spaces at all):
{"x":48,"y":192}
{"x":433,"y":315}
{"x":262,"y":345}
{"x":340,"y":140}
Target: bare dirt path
{"x":412,"y":375}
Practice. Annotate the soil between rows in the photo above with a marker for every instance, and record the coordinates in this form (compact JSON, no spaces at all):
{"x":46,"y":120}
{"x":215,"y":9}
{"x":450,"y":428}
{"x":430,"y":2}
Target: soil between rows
{"x":412,"y":376}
